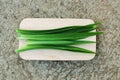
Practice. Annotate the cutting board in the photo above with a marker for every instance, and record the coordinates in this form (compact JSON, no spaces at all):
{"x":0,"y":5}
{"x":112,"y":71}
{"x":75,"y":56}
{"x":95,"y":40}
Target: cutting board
{"x":52,"y":54}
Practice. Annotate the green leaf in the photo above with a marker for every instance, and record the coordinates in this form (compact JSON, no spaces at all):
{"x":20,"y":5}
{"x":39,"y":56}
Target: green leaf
{"x":62,"y":42}
{"x":67,"y":48}
{"x":66,"y":36}
{"x":67,"y":29}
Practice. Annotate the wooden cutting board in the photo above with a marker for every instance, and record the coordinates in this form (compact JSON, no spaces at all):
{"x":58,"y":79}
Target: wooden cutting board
{"x":52,"y":54}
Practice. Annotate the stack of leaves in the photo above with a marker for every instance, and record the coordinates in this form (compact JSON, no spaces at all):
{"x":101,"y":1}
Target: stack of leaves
{"x":61,"y":38}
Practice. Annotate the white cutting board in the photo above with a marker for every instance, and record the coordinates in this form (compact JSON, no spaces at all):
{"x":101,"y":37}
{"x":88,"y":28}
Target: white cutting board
{"x":52,"y":54}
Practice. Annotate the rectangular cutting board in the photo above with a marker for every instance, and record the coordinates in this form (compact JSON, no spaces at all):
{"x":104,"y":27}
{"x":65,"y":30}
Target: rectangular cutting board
{"x":52,"y":54}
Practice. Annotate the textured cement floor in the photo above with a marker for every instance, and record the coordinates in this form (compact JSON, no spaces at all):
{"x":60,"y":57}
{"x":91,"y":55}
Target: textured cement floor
{"x":106,"y":64}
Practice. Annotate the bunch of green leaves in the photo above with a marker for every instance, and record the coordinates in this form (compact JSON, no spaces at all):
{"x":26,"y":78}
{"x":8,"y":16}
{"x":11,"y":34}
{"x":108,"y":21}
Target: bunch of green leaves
{"x":61,"y":38}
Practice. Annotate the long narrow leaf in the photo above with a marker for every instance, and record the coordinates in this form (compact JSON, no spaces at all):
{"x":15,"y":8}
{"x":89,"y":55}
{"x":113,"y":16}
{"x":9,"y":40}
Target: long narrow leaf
{"x":67,"y":48}
{"x":62,"y":42}
{"x":70,"y":36}
{"x":67,"y":29}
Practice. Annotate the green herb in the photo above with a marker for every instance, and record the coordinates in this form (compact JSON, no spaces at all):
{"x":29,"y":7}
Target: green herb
{"x":68,"y":29}
{"x":65,"y":36}
{"x":62,"y":42}
{"x":60,"y":38}
{"x":67,"y":48}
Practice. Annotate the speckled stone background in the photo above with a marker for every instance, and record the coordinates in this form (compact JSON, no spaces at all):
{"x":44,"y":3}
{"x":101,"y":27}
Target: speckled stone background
{"x":106,"y":64}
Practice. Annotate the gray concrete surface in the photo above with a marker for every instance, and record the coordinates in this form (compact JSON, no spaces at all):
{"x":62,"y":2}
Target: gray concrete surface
{"x":106,"y":64}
